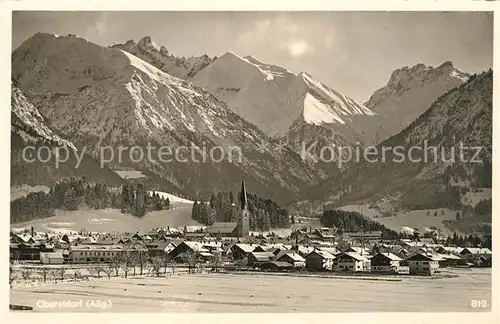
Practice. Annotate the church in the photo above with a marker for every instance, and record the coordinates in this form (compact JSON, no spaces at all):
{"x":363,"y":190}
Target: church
{"x":240,"y":228}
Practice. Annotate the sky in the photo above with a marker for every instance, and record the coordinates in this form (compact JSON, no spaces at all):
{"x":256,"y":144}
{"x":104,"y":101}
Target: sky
{"x":352,"y":52}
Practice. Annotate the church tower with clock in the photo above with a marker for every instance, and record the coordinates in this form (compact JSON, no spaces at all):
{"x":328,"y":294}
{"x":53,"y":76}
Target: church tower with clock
{"x":243,"y":224}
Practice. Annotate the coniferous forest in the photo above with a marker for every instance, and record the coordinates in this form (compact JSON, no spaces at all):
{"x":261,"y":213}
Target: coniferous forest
{"x":224,"y":207}
{"x":354,"y":222}
{"x":75,"y":193}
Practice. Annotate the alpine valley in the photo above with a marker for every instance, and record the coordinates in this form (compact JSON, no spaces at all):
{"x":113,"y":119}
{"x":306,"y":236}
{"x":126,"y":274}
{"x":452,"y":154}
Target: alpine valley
{"x":69,"y":92}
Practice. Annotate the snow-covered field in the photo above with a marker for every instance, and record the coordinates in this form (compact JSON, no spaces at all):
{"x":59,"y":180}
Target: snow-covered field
{"x":420,"y":219}
{"x":264,"y":293}
{"x":112,"y":220}
{"x":172,"y":198}
{"x":131,"y":174}
{"x":473,"y":198}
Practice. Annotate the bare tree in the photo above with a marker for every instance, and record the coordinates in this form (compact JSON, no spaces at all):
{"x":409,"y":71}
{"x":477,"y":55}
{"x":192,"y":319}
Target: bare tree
{"x":191,"y":258}
{"x":12,"y":275}
{"x":156,"y":265}
{"x":61,"y":272}
{"x":173,"y":265}
{"x":166,"y":261}
{"x":134,"y":260}
{"x":108,"y":270}
{"x":125,"y":262}
{"x":77,"y":274}
{"x":217,"y":261}
{"x":99,"y":270}
{"x":92,"y":271}
{"x":142,"y":259}
{"x":148,"y":267}
{"x":44,"y":272}
{"x":115,"y":263}
{"x":26,"y":274}
{"x":53,"y":273}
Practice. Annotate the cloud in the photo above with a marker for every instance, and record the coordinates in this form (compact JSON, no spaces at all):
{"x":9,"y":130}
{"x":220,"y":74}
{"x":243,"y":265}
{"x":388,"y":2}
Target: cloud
{"x":328,"y":41}
{"x":267,"y":33}
{"x":299,"y":48}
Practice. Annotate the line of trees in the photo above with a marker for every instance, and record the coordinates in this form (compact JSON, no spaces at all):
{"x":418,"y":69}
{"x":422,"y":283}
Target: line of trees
{"x":469,"y":240}
{"x":74,"y":193}
{"x":349,"y":221}
{"x":264,"y":214}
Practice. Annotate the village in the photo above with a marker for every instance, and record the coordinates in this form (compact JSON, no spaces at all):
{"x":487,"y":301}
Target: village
{"x":198,"y":249}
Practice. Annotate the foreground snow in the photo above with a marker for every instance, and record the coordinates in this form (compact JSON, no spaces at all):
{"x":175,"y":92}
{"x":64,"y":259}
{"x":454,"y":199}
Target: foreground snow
{"x":172,"y":198}
{"x":264,"y":293}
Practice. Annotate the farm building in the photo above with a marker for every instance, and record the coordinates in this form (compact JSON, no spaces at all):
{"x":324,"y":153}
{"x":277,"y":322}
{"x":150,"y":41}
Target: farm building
{"x":28,"y":251}
{"x":352,"y":261}
{"x":302,"y":250}
{"x":187,"y":247}
{"x":475,"y":251}
{"x":385,"y":262}
{"x":199,"y":236}
{"x":259,"y":257}
{"x":449,"y":250}
{"x":223,"y":229}
{"x":51,"y":258}
{"x":449,"y":260}
{"x":94,"y":254}
{"x":293,"y":258}
{"x":423,"y":264}
{"x":240,"y":251}
{"x":319,"y":261}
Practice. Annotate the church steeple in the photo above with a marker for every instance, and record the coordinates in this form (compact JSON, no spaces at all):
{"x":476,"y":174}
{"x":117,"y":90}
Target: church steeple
{"x":243,"y":196}
{"x":243,"y":224}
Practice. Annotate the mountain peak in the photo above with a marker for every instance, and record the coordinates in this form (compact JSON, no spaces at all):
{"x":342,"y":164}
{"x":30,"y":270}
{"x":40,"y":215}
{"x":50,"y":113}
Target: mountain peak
{"x":158,"y":56}
{"x":147,"y":43}
{"x":232,"y":55}
{"x":410,"y":91}
{"x":447,"y":64}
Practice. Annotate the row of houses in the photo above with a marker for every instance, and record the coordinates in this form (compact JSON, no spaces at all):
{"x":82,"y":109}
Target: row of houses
{"x":349,"y":261}
{"x":322,"y":255}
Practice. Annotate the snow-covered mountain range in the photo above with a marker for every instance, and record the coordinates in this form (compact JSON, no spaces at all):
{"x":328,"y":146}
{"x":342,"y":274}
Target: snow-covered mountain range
{"x":29,"y":128}
{"x":100,"y":96}
{"x":158,"y":56}
{"x":280,"y":102}
{"x":409,"y":93}
{"x":70,"y":92}
{"x":462,"y":117}
{"x":274,"y":98}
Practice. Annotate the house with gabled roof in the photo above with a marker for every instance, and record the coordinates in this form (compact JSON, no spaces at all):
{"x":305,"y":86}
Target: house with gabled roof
{"x":302,"y":250}
{"x":199,"y":236}
{"x":240,"y":251}
{"x":385,"y":263}
{"x":352,"y":262}
{"x":359,"y":250}
{"x":223,"y":229}
{"x":423,"y":264}
{"x":255,"y":258}
{"x":293,"y":258}
{"x":332,"y":250}
{"x":188,"y":247}
{"x":477,"y":251}
{"x":319,"y":260}
{"x":449,"y":250}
